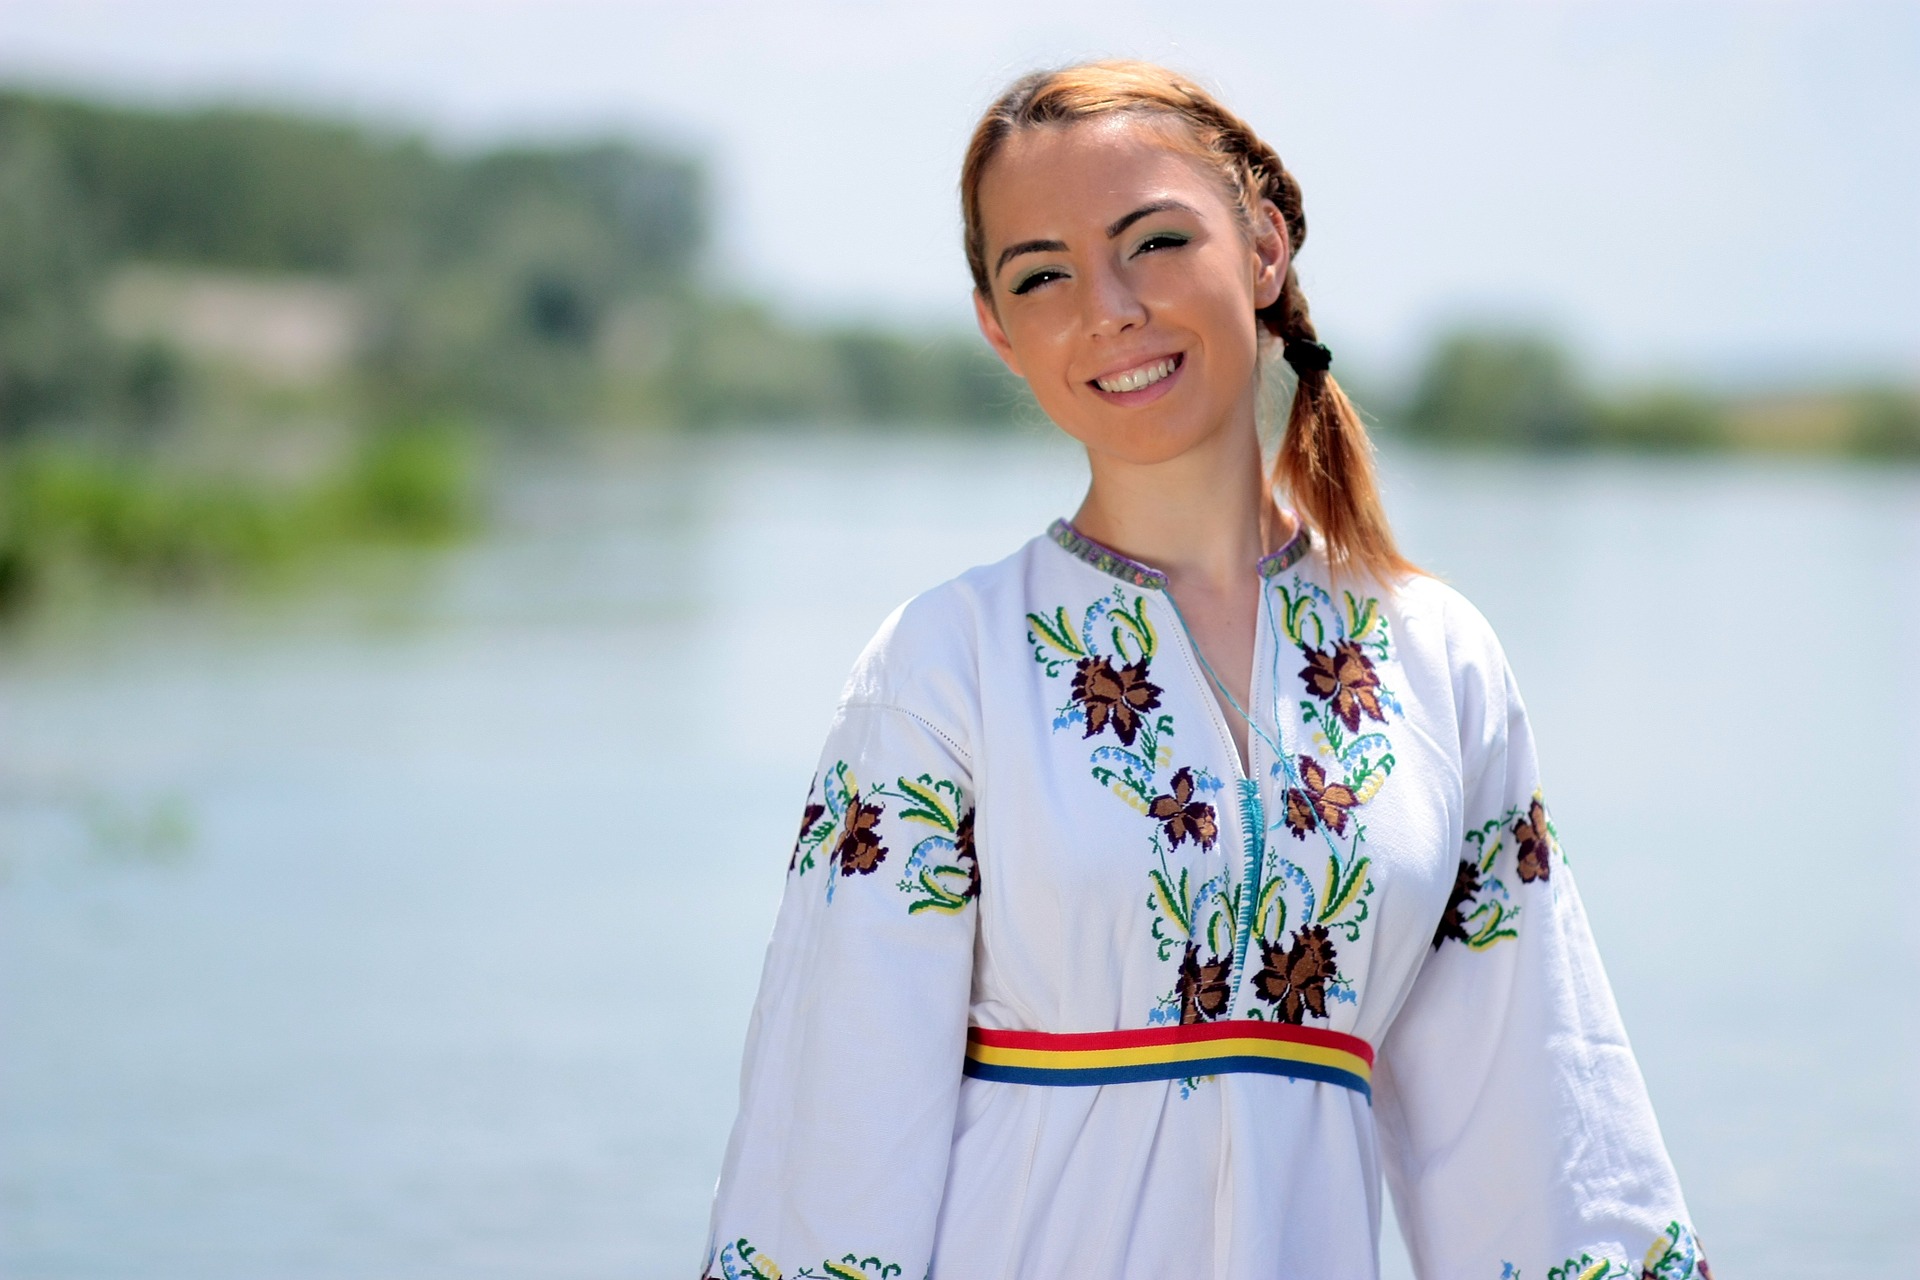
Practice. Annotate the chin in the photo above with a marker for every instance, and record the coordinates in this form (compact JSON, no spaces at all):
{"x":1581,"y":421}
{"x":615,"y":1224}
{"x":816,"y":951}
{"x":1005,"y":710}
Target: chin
{"x":1137,"y":438}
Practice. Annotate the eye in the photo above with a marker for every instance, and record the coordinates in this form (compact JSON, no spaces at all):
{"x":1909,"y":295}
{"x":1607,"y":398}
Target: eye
{"x":1045,"y":275}
{"x":1161,"y":240}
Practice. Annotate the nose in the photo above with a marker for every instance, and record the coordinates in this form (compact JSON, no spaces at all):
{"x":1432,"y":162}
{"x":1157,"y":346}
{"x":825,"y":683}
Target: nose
{"x":1112,"y":306}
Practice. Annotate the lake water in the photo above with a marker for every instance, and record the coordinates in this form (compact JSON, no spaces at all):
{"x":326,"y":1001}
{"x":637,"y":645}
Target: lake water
{"x":407,"y":925}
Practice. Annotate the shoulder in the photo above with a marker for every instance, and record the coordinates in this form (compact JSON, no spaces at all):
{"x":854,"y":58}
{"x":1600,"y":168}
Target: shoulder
{"x":925,"y":658}
{"x":1452,"y":647}
{"x":1438,"y":620}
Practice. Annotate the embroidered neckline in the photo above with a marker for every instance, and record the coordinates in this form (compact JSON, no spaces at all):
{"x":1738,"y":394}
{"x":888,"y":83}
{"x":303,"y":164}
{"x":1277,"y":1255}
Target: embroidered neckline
{"x":1113,"y":564}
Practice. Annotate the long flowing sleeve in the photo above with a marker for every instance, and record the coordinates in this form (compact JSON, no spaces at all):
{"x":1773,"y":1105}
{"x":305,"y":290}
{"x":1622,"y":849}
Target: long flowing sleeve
{"x":854,"y":1055}
{"x":1516,"y":1131}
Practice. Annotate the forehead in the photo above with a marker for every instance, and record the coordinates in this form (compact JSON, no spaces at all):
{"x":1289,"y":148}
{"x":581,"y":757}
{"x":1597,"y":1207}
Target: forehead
{"x":1047,"y":178}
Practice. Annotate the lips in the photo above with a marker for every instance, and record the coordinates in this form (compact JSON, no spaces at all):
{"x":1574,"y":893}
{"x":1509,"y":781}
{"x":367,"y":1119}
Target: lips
{"x":1138,"y":383}
{"x":1140,"y":376}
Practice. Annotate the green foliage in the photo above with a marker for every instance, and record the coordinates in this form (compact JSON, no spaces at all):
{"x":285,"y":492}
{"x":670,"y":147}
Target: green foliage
{"x":66,"y":508}
{"x":1669,"y":418}
{"x":50,"y":342}
{"x":1886,"y":423}
{"x":71,"y":510}
{"x":1511,"y":389}
{"x":491,"y":276}
{"x":414,"y":482}
{"x":1500,"y":388}
{"x":733,"y":362}
{"x":234,"y":188}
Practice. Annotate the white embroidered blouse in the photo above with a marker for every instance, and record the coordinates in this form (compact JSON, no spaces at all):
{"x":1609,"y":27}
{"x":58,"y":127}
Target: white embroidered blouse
{"x":1056,"y":990}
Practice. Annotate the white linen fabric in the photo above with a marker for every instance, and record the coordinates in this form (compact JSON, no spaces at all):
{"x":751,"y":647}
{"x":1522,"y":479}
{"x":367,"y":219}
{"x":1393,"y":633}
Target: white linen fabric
{"x":1030,"y":816}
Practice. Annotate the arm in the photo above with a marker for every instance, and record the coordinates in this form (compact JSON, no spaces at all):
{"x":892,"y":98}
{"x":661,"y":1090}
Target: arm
{"x":852,"y":1071}
{"x":1518,"y":1136}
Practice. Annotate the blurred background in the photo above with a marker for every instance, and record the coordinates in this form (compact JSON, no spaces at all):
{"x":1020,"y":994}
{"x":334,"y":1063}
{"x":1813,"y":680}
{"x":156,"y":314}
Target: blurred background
{"x":452,"y":450}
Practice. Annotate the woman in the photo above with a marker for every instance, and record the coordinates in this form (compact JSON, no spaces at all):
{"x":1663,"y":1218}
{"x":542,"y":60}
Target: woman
{"x":1165,"y":883}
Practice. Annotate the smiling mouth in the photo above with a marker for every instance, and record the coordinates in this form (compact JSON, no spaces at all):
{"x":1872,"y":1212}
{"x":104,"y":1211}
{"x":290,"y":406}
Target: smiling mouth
{"x":1140,"y":377}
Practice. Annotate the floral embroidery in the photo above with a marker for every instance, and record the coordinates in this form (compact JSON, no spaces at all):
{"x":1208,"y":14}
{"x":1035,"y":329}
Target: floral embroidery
{"x":860,"y":850}
{"x":1453,"y":921}
{"x":1183,"y":817}
{"x":1316,"y":800}
{"x":1534,"y":835}
{"x":1324,"y":790}
{"x":1676,"y":1256}
{"x":1585,"y":1268}
{"x":1205,"y":990}
{"x":1673,"y":1256}
{"x":1205,"y":920}
{"x":1346,"y":681}
{"x":1480,"y":910}
{"x":963,"y":856}
{"x":1295,"y":978}
{"x":942,"y":873}
{"x":741,"y":1261}
{"x":1119,"y":698}
{"x":808,"y":817}
{"x":943,"y":870}
{"x":1131,"y":771}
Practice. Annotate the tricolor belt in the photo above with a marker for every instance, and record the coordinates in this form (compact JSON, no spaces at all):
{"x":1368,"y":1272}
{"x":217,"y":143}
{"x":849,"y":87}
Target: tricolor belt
{"x":1172,"y":1053}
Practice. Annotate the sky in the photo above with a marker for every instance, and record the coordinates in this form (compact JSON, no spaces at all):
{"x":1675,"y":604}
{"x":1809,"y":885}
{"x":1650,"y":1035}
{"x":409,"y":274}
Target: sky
{"x":1679,"y":188}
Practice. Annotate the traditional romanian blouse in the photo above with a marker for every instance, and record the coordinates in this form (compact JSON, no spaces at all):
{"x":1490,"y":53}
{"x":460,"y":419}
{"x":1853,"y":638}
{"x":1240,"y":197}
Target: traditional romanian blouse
{"x":1057,"y":989}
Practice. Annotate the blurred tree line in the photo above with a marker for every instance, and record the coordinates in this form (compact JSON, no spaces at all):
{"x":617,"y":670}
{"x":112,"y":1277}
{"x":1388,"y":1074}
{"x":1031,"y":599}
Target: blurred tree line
{"x":526,"y":285}
{"x":322,"y":314}
{"x":1491,"y":389}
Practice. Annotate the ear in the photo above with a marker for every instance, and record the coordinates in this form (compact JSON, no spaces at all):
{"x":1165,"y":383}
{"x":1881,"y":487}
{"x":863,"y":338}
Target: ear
{"x":989,"y":322}
{"x":1272,"y":254}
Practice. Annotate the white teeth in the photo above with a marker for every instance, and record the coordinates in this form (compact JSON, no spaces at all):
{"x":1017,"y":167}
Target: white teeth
{"x":1134,"y":379}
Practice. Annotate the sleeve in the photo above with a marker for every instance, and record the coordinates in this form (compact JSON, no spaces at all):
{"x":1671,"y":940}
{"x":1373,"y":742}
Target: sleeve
{"x":1517,"y":1135}
{"x":851,"y":1078}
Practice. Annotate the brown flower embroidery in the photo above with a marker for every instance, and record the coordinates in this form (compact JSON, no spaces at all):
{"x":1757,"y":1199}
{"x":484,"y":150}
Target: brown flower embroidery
{"x":964,"y":856}
{"x":808,"y":816}
{"x":1316,"y":800}
{"x":1113,"y":697}
{"x":1296,"y":978}
{"x":1346,"y":681}
{"x":1453,"y":921}
{"x":1203,"y":988}
{"x":1184,"y":817}
{"x":860,"y":849}
{"x":1536,"y":843}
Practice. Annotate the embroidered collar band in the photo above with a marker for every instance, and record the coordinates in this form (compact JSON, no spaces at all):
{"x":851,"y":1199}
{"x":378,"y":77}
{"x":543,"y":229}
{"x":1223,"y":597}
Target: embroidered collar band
{"x":1112,"y":563}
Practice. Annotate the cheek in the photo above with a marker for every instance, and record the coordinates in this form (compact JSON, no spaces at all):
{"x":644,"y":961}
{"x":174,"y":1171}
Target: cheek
{"x":1042,"y":341}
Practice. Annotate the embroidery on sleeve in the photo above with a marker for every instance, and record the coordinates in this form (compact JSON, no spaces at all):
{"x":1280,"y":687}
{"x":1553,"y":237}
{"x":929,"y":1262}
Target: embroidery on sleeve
{"x":1480,"y":910}
{"x":1675,"y":1255}
{"x":942,"y":872}
{"x":741,"y":1261}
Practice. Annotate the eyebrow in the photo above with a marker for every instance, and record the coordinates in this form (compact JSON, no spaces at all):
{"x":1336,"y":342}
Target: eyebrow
{"x":1013,"y":251}
{"x":1114,"y":228}
{"x":1147,"y":211}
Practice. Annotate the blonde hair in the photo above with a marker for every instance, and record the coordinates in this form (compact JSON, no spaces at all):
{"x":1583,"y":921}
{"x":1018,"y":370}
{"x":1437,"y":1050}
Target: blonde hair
{"x":1325,"y":460}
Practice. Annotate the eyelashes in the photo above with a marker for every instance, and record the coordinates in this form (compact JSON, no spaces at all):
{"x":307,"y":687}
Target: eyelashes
{"x":1028,"y":284}
{"x":1160,"y":240}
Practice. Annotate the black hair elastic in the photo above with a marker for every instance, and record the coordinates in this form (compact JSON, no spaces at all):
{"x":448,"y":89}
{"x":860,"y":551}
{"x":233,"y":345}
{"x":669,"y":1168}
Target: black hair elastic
{"x":1306,"y":356}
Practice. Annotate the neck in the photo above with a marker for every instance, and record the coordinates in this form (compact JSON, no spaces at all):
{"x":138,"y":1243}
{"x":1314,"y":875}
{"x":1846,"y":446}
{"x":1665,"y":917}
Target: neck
{"x":1202,"y":518}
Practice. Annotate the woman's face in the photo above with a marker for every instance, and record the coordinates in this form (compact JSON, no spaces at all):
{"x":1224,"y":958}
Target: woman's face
{"x":1123,"y":286}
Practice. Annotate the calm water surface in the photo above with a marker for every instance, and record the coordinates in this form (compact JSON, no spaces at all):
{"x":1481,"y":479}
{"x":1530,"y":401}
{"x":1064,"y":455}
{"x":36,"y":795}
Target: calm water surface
{"x":408,"y":927}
